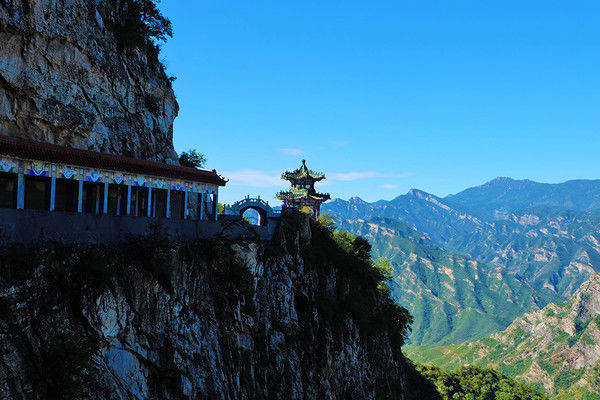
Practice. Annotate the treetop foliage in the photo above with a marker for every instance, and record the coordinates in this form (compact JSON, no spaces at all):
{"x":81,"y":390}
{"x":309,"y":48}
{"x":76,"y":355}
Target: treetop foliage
{"x":192,"y":159}
{"x":136,"y":22}
{"x":471,"y":383}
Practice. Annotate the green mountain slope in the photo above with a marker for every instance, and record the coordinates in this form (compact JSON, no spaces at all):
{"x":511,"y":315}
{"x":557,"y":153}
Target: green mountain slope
{"x":553,"y":250}
{"x":451,"y":297}
{"x":557,"y":348}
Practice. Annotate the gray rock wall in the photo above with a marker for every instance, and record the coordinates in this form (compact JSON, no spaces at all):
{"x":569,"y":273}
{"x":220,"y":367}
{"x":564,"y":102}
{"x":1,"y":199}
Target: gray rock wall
{"x":229,"y":321}
{"x":62,"y":80}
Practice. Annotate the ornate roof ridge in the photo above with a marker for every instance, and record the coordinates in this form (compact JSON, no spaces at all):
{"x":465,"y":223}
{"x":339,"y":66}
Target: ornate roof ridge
{"x":303,"y":172}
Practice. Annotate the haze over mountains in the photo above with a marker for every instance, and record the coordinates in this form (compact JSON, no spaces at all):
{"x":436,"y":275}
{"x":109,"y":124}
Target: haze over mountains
{"x":466,"y":265}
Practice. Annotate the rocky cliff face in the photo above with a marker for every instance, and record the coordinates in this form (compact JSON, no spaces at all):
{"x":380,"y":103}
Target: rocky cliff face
{"x":209,"y":320}
{"x":63,"y":80}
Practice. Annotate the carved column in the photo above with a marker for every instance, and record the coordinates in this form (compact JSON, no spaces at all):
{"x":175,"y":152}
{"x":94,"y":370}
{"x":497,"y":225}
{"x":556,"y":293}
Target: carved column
{"x":105,"y":205}
{"x":201,"y":205}
{"x":185,"y":204}
{"x":168,"y":212}
{"x":52,"y":188}
{"x":216,"y":206}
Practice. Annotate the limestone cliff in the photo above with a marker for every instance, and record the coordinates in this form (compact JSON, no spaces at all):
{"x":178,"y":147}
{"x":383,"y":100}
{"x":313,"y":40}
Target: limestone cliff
{"x":64,"y":80}
{"x":297,"y":318}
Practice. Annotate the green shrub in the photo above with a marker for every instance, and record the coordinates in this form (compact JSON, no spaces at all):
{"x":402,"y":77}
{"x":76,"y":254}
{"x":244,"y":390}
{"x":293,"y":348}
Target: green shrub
{"x":135,"y":22}
{"x":359,"y":294}
{"x":478,"y":384}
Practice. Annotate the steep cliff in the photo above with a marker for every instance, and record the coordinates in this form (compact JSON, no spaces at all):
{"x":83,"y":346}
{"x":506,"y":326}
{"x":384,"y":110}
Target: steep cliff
{"x":65,"y":79}
{"x":299,"y":318}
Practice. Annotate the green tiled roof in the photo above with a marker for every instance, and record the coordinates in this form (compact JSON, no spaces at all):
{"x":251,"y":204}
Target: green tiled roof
{"x":298,"y":194}
{"x":301,"y":173}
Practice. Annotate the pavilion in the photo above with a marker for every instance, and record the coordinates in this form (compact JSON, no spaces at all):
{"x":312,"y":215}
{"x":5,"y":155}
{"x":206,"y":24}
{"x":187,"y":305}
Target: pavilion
{"x":42,"y":176}
{"x":302,"y":193}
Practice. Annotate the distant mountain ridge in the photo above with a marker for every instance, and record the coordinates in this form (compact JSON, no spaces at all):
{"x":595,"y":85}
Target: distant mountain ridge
{"x":503,"y":195}
{"x":429,"y":214}
{"x":500,"y":196}
{"x":545,"y":247}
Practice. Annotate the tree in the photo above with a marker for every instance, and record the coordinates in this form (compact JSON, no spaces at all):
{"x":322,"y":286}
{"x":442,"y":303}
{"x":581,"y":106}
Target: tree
{"x":327,"y":222}
{"x":136,"y":23}
{"x":192,"y":159}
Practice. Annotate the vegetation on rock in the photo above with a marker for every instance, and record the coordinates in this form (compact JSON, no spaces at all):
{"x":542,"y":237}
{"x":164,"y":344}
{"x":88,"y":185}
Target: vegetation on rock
{"x":555,"y":348}
{"x":470,"y":383}
{"x":305,"y":314}
{"x":451,"y":297}
{"x":192,"y":159}
{"x":136,"y":23}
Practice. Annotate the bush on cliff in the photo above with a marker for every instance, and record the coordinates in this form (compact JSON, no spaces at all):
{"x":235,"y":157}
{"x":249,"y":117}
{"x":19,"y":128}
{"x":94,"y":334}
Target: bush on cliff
{"x":360,"y":292}
{"x":472,"y":383}
{"x":137,"y":24}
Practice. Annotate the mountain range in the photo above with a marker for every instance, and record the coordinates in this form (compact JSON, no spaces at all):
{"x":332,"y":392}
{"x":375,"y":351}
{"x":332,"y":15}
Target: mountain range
{"x":468,"y":264}
{"x":502,"y":196}
{"x":502,"y":275}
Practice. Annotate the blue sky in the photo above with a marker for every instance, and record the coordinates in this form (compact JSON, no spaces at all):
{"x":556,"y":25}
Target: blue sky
{"x":384,"y":96}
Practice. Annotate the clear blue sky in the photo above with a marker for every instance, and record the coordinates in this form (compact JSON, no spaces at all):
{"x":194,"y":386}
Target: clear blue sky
{"x":385,"y":96}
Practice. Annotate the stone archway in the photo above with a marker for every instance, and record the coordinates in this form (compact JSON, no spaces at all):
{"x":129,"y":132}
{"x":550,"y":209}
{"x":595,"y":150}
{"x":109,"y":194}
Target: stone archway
{"x":262,"y":214}
{"x":252,"y":203}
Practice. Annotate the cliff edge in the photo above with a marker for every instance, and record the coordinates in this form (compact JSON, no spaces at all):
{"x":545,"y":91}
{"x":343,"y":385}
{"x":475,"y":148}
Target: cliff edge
{"x":299,"y":318}
{"x":65,"y":79}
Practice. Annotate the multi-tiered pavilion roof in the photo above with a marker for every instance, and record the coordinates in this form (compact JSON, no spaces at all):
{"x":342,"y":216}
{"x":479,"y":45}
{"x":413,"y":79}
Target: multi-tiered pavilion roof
{"x":303,"y":193}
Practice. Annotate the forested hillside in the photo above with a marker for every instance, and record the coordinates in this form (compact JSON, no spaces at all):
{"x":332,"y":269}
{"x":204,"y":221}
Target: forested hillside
{"x":557,"y":348}
{"x":451,"y":297}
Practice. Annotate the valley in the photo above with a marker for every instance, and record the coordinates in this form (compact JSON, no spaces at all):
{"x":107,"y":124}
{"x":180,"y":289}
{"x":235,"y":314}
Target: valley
{"x":503,"y":275}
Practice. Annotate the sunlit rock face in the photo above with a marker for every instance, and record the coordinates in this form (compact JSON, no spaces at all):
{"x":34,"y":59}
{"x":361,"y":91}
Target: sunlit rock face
{"x":63,"y":80}
{"x":242,"y":320}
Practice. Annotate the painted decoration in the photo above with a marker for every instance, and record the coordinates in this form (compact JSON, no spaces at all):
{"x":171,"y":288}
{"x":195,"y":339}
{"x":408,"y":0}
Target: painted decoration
{"x":139,"y":181}
{"x":7,"y":165}
{"x":178,"y":186}
{"x":93,"y":176}
{"x":38,"y":169}
{"x":68,"y":173}
{"x":160,"y":184}
{"x":119,"y":178}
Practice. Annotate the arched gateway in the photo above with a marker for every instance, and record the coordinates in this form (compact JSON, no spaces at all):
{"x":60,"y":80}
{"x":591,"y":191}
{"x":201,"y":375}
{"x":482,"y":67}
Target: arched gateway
{"x":257,"y":204}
